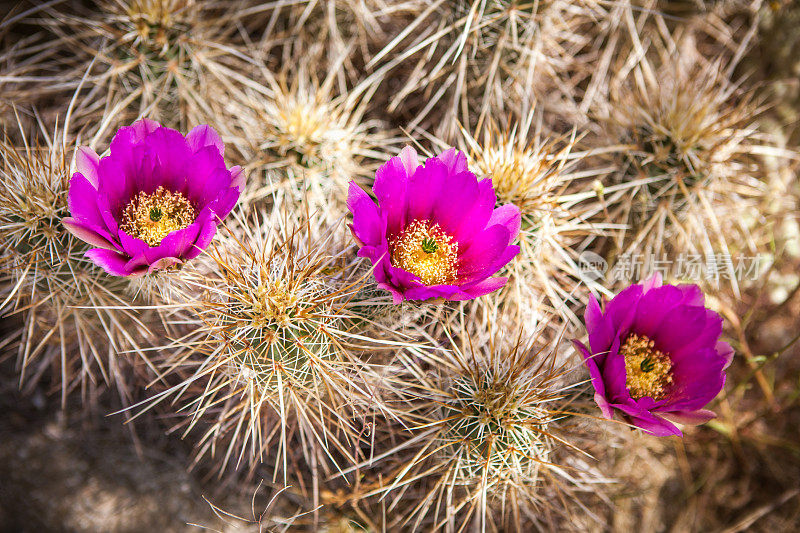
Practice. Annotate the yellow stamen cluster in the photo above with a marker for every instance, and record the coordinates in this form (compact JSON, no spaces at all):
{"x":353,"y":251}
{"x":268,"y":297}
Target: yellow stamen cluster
{"x":155,"y":12}
{"x":151,"y":217}
{"x":522,"y":177}
{"x":275,"y":305}
{"x":305,"y":125}
{"x":648,"y":371}
{"x":425,"y":250}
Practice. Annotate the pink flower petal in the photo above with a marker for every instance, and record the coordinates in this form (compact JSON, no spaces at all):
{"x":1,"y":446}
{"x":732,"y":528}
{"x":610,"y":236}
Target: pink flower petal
{"x":653,"y":307}
{"x":82,"y":201}
{"x":509,"y":216}
{"x":87,"y":162}
{"x":91,"y":235}
{"x":483,"y":254}
{"x":690,"y":418}
{"x":202,"y":136}
{"x":425,"y":189}
{"x":118,"y":185}
{"x":367,"y":223}
{"x":391,"y":190}
{"x":653,"y":282}
{"x":164,"y":262}
{"x":601,"y":332}
{"x":648,"y":422}
{"x":172,"y":155}
{"x":482,"y":288}
{"x":133,"y":246}
{"x":127,"y":139}
{"x":237,"y":177}
{"x":725,"y":353}
{"x":477,"y":218}
{"x":224,"y":203}
{"x":455,"y":160}
{"x":206,"y":229}
{"x":112,"y":262}
{"x":410,"y":160}
{"x":462,"y":193}
{"x":435,"y":291}
{"x":207,"y":188}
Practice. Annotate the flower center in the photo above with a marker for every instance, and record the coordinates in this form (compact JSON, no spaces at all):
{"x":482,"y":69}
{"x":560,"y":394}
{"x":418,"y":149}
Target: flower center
{"x":151,"y":217}
{"x":648,"y":371}
{"x":425,"y":250}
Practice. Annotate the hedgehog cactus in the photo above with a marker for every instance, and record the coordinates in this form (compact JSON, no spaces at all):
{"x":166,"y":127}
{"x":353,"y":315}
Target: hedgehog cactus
{"x":267,"y":325}
{"x":690,"y":155}
{"x":278,"y":332}
{"x":484,"y":424}
{"x":66,"y":304}
{"x":544,"y":179}
{"x":500,"y":431}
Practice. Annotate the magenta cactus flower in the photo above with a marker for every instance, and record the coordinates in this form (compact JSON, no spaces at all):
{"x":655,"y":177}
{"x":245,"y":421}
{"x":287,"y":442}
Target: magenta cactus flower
{"x":655,"y":356}
{"x":435,"y":232}
{"x":155,"y":201}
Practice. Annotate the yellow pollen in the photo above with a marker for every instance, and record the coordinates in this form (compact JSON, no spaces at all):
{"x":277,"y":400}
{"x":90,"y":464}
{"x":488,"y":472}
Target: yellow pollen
{"x":151,"y":217}
{"x":275,"y":304}
{"x":648,"y":371}
{"x":425,"y":250}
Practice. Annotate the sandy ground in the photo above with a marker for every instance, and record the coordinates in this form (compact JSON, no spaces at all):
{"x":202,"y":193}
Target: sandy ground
{"x":85,"y":474}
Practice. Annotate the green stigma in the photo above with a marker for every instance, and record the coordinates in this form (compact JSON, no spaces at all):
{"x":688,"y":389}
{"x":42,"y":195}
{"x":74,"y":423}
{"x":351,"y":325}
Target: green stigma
{"x":155,"y":214}
{"x":647,"y":364}
{"x":429,"y":245}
